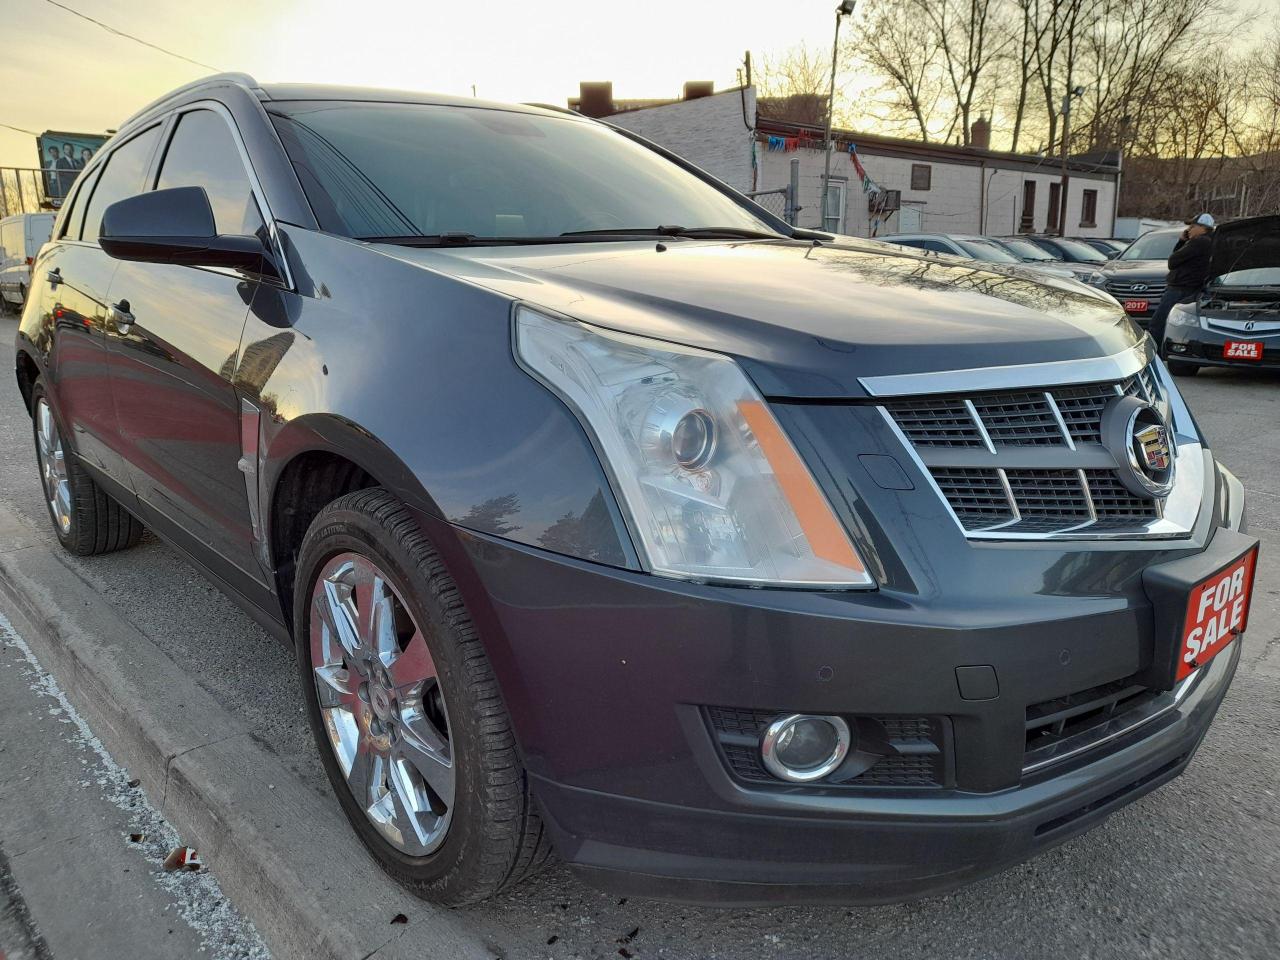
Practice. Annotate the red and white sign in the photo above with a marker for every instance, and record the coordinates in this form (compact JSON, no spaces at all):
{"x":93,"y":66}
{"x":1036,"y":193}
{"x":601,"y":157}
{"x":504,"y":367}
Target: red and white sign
{"x":1217,"y":612}
{"x":1242,"y":350}
{"x":1136,"y":306}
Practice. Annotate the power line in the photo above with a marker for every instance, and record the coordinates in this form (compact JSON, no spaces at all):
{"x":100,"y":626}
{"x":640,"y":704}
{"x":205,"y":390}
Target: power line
{"x":10,"y":126}
{"x":129,"y":36}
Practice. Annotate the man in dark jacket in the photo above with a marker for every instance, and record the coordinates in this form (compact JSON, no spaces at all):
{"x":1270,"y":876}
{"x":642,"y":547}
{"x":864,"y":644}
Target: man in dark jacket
{"x":1188,"y":272}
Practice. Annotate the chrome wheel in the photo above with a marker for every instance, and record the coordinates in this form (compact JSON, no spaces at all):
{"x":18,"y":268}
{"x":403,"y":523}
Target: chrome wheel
{"x":381,"y":704}
{"x":53,"y":466}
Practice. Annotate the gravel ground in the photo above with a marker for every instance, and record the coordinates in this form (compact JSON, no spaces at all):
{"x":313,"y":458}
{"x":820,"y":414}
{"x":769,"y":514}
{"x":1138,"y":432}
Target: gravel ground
{"x":1188,"y":871}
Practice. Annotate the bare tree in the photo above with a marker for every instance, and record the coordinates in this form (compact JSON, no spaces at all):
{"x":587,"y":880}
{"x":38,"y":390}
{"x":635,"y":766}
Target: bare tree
{"x":968,"y":44}
{"x":904,"y":51}
{"x":793,"y":85}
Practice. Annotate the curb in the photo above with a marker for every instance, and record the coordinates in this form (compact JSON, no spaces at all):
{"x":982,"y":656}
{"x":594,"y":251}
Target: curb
{"x":284,"y":855}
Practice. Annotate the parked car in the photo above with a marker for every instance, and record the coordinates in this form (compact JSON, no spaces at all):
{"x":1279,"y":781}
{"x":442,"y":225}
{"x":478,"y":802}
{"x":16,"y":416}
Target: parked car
{"x":774,"y":569}
{"x":1080,"y":258}
{"x":982,"y":249}
{"x":1136,"y":276}
{"x":21,"y":237}
{"x":1236,"y":320}
{"x":1107,"y":246}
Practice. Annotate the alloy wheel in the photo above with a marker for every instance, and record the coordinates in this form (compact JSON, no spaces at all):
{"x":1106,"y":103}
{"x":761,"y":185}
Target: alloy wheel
{"x":381,"y":704}
{"x":53,"y":466}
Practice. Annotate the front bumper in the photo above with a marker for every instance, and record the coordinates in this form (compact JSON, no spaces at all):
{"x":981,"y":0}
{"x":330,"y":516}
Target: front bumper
{"x":1204,"y":347}
{"x":606,"y":674}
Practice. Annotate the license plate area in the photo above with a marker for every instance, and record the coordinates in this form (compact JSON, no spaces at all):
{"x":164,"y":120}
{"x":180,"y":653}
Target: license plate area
{"x":1242,"y":350}
{"x":1217,"y":612}
{"x":1136,"y":306}
{"x":1176,"y":590}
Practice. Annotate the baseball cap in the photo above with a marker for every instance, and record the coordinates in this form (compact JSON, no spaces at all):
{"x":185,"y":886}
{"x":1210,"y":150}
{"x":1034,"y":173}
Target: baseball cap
{"x":1204,"y":220}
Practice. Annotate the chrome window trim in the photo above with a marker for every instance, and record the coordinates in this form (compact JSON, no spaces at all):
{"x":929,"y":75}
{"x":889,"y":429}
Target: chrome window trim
{"x":1055,"y":373}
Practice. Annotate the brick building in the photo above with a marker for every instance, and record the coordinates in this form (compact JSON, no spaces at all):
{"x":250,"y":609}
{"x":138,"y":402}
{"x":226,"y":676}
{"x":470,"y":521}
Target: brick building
{"x":940,"y":188}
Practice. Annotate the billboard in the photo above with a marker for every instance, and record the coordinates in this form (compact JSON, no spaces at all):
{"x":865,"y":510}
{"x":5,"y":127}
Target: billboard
{"x":62,"y":156}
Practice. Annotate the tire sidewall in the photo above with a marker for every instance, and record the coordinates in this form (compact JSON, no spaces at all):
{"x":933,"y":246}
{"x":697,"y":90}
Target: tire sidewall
{"x":38,"y":393}
{"x":350,"y":530}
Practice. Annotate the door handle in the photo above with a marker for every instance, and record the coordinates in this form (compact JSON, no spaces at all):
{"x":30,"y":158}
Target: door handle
{"x":54,"y":277}
{"x":121,"y":316}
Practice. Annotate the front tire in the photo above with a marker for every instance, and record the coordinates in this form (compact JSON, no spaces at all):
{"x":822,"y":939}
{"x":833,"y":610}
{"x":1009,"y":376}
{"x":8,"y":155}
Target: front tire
{"x":86,"y":519}
{"x":405,"y":709}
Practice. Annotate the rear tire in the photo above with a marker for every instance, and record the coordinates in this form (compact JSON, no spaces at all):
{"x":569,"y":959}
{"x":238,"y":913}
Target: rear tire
{"x":1180,"y":368}
{"x":86,"y":519}
{"x":394,"y":712}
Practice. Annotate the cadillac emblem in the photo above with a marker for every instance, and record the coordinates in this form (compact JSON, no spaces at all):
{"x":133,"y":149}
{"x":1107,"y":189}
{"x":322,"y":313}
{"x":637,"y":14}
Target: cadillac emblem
{"x":1137,"y":435}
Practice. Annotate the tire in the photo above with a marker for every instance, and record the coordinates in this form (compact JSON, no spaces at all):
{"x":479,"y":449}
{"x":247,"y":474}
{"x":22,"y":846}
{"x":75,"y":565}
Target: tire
{"x":1180,"y":368}
{"x":86,"y":519}
{"x":391,"y":712}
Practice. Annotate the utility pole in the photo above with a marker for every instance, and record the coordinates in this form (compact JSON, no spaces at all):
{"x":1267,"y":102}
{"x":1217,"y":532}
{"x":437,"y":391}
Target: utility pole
{"x":845,"y":8}
{"x":1073,"y":94}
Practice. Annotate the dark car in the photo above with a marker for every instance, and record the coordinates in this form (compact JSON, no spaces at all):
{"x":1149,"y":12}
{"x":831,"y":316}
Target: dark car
{"x":1106,"y":246}
{"x":1076,"y":254}
{"x":606,"y":513}
{"x":1136,"y":276}
{"x":1236,"y":319}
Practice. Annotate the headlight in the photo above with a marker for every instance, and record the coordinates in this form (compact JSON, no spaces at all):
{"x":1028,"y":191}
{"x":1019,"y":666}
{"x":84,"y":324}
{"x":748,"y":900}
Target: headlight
{"x":1183,"y":315}
{"x":1096,"y":278}
{"x":712,"y":487}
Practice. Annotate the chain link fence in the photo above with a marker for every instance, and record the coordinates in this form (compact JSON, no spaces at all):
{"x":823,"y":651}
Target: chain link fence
{"x":782,"y":201}
{"x":31,"y":190}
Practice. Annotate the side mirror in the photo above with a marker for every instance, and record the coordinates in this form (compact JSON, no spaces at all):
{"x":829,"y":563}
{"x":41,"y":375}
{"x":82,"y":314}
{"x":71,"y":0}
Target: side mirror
{"x":176,"y":226}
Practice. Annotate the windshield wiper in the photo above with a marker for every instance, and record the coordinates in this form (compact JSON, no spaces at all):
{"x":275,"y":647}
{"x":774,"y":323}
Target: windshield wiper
{"x":671,"y":230}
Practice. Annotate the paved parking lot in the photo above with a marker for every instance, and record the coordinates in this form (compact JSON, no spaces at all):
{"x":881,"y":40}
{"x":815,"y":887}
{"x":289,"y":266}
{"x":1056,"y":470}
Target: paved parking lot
{"x":1186,"y":872}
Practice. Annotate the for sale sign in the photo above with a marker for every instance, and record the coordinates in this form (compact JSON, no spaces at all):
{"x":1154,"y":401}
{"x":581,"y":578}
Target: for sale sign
{"x":1217,"y":613}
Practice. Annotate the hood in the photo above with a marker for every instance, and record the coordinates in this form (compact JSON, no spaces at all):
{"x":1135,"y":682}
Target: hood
{"x":1134,"y":269}
{"x":1247,"y":244}
{"x":803,"y":320}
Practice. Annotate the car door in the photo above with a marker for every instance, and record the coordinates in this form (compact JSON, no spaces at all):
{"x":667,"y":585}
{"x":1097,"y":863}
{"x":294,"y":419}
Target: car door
{"x":69,"y":292}
{"x":173,"y":335}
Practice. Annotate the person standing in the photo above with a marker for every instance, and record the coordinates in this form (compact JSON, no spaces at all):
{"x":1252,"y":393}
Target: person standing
{"x":1188,"y":272}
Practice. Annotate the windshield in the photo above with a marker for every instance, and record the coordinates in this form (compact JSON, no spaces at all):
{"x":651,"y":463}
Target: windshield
{"x":1156,"y":245}
{"x":985,"y":250}
{"x":1078,"y":251}
{"x":1026,"y":250}
{"x":1255,"y":277}
{"x":380,"y":170}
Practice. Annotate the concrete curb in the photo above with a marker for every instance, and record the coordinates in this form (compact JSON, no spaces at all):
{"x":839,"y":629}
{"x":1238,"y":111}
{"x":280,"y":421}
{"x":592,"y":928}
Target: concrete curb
{"x":284,"y":854}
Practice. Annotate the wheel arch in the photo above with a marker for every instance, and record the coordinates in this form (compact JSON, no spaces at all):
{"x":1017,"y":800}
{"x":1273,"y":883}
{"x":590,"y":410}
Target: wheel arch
{"x":27,"y":371}
{"x":309,"y":463}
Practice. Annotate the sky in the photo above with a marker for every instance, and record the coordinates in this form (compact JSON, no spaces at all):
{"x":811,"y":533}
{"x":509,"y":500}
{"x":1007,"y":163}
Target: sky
{"x":59,"y":72}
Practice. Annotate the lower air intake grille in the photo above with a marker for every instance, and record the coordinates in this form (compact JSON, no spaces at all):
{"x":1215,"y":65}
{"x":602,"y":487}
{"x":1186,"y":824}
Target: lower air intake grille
{"x":916,"y":754}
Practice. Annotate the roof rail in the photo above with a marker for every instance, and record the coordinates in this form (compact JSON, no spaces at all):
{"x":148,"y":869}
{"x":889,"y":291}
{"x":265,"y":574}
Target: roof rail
{"x":216,"y":79}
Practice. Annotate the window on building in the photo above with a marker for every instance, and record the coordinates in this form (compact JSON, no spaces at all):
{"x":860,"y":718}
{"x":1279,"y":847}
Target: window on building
{"x":1089,"y":209}
{"x":921,"y":176}
{"x":833,"y":216}
{"x":120,"y":178}
{"x":203,"y":153}
{"x":1027,"y":222}
{"x":1055,"y":202}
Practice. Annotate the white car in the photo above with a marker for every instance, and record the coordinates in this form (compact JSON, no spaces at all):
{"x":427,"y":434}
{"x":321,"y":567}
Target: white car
{"x":21,"y":237}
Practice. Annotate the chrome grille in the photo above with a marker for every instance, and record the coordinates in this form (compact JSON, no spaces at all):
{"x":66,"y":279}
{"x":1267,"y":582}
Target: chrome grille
{"x":1152,"y":289}
{"x":1029,"y":462}
{"x":1019,"y":417}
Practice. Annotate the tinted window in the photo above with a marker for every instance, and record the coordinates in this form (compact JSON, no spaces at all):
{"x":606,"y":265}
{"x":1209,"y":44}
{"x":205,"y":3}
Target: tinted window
{"x":1156,"y":245}
{"x":391,"y":169}
{"x":122,"y":177}
{"x":203,"y":153}
{"x":986,"y":250}
{"x":1077,"y":251}
{"x":1025,"y":249}
{"x":933,"y":245}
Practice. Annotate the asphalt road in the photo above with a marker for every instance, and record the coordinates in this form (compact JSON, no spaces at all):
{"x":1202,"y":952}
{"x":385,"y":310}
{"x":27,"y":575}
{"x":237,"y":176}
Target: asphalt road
{"x":1189,"y":871}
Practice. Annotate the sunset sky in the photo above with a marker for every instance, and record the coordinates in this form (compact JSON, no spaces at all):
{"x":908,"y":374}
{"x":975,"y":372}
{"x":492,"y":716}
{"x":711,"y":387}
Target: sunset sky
{"x":60,"y":72}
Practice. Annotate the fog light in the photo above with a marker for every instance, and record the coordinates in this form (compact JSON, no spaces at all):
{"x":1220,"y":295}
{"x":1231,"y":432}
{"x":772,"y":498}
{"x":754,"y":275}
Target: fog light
{"x":1176,"y":347}
{"x":802,"y":748}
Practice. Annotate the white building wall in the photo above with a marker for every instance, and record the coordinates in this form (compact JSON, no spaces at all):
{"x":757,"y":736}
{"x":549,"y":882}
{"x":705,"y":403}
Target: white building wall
{"x":709,"y":132}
